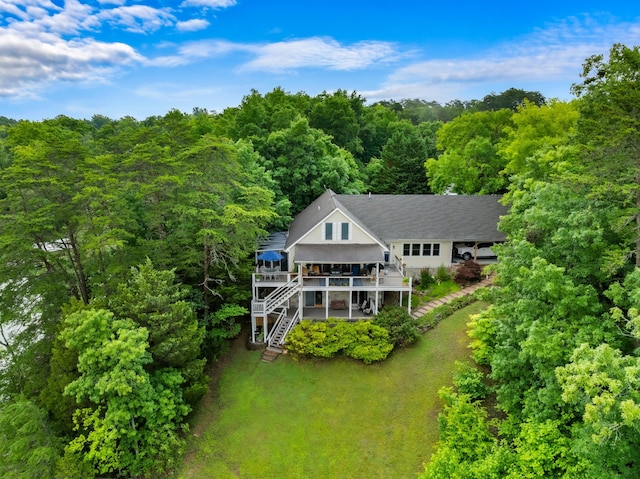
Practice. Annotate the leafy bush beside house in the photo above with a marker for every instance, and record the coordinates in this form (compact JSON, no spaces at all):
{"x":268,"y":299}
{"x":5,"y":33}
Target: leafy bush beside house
{"x":403,"y":329}
{"x":468,"y":272}
{"x":360,"y":340}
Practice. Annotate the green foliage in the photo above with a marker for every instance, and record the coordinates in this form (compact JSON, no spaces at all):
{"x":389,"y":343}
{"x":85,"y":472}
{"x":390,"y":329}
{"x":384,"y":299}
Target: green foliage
{"x":400,"y":169}
{"x":482,"y":333}
{"x":426,"y":279}
{"x":442,"y":274}
{"x":133,"y":425}
{"x":463,"y":424}
{"x":605,"y":385}
{"x":29,"y":448}
{"x":536,"y":131}
{"x":403,"y":329}
{"x":471,"y":381}
{"x":513,"y":99}
{"x":470,"y":162}
{"x":609,"y":131}
{"x":221,"y":327}
{"x":305,"y":162}
{"x":361,"y":340}
{"x":468,"y":272}
{"x":153,"y":300}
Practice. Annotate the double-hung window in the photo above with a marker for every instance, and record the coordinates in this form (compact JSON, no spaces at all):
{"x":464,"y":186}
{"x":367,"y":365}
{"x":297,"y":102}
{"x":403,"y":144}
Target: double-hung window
{"x":328,"y":231}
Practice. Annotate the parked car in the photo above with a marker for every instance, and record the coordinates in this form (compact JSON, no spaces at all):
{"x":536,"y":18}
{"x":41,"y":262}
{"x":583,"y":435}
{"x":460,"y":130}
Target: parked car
{"x":466,"y":251}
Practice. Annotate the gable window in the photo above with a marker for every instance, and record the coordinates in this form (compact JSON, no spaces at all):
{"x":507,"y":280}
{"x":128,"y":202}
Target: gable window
{"x":344,"y":231}
{"x":328,"y":231}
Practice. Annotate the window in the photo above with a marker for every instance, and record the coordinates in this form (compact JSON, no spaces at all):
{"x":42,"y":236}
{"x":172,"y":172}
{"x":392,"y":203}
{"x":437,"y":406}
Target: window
{"x":345,"y":231}
{"x":328,"y":231}
{"x":336,"y":231}
{"x":421,"y":249}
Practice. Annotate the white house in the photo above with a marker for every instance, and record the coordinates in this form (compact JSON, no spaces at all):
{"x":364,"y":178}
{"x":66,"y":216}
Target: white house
{"x":347,"y":255}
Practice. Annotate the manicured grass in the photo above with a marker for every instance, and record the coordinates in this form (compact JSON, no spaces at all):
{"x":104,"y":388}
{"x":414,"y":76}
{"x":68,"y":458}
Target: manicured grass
{"x":433,"y":291}
{"x":327,"y":418}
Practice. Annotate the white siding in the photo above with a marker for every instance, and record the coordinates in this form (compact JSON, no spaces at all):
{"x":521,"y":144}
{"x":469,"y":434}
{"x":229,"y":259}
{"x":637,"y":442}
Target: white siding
{"x":417,"y":263}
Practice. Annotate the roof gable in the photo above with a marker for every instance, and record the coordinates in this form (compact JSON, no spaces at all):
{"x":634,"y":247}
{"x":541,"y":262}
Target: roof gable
{"x":320,"y":211}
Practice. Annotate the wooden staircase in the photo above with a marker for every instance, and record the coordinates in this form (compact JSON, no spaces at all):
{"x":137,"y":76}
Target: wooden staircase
{"x":275,"y":340}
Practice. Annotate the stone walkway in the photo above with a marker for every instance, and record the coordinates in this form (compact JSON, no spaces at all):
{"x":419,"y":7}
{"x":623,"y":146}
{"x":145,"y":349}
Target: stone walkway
{"x":425,"y":308}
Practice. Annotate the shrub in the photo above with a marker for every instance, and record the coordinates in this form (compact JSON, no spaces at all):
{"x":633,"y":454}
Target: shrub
{"x":442,"y":274}
{"x":371,"y":342}
{"x":403,"y":329}
{"x":360,"y":340}
{"x":470,"y":381}
{"x":468,"y":272}
{"x":310,"y":338}
{"x":426,"y":278}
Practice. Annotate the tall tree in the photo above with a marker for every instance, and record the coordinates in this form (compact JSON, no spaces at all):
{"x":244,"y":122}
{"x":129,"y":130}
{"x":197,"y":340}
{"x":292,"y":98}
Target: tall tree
{"x":513,"y":98}
{"x":470,"y":162}
{"x":29,"y":448}
{"x":338,"y":115}
{"x":609,"y":127}
{"x":400,"y":169}
{"x":153,"y":300}
{"x":217,"y":214}
{"x":304,"y":161}
{"x":133,"y":427}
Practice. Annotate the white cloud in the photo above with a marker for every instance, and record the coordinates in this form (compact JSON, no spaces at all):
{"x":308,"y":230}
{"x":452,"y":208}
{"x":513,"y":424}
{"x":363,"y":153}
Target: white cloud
{"x":138,"y":18}
{"x":286,"y":56}
{"x":192,"y":25}
{"x":21,"y":8}
{"x":553,"y":54}
{"x":29,"y":63}
{"x":318,"y":53}
{"x":208,"y":3}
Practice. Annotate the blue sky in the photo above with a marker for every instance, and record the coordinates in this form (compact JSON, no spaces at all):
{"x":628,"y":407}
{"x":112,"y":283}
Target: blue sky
{"x":142,"y":58}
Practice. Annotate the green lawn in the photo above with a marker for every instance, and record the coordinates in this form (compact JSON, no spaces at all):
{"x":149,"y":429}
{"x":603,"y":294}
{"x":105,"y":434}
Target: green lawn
{"x":326,"y":418}
{"x":433,"y":291}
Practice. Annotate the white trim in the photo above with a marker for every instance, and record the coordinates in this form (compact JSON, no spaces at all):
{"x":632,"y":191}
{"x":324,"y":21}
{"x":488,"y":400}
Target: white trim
{"x":351,"y":221}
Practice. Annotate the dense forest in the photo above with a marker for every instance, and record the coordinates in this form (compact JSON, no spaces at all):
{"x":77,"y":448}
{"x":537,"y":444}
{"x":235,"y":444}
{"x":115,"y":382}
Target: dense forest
{"x":125,"y":258}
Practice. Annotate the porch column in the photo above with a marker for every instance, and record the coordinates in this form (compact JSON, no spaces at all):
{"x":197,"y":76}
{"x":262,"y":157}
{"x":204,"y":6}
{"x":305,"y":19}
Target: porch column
{"x":253,"y":328}
{"x":264,"y":326}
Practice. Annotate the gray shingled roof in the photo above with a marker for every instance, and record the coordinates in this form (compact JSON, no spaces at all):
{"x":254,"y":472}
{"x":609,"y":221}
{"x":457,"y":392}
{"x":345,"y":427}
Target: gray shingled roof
{"x":432,"y":217}
{"x":409,"y":217}
{"x":346,"y":253}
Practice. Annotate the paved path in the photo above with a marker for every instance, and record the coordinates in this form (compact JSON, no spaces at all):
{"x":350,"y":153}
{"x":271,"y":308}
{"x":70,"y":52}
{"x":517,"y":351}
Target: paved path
{"x":425,"y":308}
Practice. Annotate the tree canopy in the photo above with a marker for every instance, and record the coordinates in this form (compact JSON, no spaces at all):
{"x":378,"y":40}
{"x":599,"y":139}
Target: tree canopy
{"x":560,"y":336}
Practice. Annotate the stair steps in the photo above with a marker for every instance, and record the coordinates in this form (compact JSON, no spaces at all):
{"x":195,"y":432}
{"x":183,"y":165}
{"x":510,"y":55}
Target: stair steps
{"x":270,"y":354}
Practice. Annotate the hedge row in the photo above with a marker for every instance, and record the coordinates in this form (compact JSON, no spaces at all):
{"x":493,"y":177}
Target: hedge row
{"x":361,"y":340}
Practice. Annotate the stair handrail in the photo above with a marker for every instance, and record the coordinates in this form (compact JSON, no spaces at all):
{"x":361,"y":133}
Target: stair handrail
{"x":280,"y":295}
{"x":276,"y":326}
{"x":292,"y":323}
